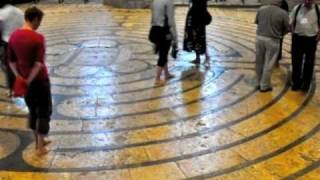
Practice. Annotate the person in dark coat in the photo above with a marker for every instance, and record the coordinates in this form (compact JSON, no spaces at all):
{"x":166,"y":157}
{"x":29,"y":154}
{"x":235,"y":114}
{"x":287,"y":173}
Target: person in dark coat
{"x":198,"y":18}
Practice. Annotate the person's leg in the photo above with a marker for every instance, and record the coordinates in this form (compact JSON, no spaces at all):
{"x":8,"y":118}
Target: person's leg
{"x":308,"y":67}
{"x":167,"y":73}
{"x":260,"y":59}
{"x":272,"y":51}
{"x":10,"y":81}
{"x":31,"y":105}
{"x":297,"y":52}
{"x":42,"y":150}
{"x":197,"y":60}
{"x":166,"y":50}
{"x":162,"y":61}
{"x":44,"y":114}
{"x":9,"y":76}
{"x":207,"y":60}
{"x":158,"y":80}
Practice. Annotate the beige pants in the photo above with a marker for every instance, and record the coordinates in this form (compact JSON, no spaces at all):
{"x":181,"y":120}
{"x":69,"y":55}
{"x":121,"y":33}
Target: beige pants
{"x":267,"y":50}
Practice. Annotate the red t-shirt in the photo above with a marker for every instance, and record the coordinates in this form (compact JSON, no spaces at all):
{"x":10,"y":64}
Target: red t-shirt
{"x":25,"y":48}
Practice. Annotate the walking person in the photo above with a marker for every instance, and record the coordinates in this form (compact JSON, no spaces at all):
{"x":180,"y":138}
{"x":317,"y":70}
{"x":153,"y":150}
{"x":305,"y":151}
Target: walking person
{"x":272,"y":23}
{"x":164,"y":35}
{"x":26,"y":53}
{"x":11,"y":18}
{"x":198,"y":18}
{"x":305,"y":22}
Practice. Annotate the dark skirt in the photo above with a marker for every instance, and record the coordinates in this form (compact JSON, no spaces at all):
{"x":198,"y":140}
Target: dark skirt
{"x":194,"y":36}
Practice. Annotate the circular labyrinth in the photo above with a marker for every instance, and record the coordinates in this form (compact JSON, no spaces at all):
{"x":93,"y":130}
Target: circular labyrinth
{"x":110,"y":120}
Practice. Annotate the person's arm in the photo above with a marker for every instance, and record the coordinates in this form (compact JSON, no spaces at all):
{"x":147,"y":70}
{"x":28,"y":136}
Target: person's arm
{"x":286,"y":24}
{"x":34,"y":72}
{"x":292,"y":18}
{"x":38,"y":65}
{"x":12,"y":59}
{"x":257,"y":17}
{"x":172,"y":23}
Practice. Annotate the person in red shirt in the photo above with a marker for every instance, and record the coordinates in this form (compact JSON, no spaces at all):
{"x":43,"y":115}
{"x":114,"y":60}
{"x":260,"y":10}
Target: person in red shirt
{"x":26,"y":53}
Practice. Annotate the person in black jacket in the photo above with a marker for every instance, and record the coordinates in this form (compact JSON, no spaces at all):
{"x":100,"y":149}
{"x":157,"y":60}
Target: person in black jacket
{"x":198,"y":18}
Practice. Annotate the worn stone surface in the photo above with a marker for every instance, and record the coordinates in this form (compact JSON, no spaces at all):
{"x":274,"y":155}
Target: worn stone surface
{"x":111,"y":122}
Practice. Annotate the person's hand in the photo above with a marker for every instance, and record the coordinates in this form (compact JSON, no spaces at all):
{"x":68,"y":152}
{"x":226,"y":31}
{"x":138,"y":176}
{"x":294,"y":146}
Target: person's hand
{"x":174,"y":45}
{"x":21,"y":79}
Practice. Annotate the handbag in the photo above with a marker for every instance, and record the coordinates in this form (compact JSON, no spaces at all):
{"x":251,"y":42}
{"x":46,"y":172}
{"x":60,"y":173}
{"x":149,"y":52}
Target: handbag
{"x":158,"y":33}
{"x":20,"y":87}
{"x":155,"y":34}
{"x":174,"y":52}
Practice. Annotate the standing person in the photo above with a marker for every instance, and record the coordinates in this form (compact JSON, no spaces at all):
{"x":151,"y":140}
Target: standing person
{"x":163,"y":22}
{"x":26,"y":53}
{"x":273,"y":23}
{"x":11,"y":19}
{"x":198,"y":18}
{"x":284,"y":6}
{"x":304,"y":20}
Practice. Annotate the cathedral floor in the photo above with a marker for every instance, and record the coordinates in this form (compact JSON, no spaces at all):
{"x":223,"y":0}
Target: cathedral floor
{"x":111,"y":122}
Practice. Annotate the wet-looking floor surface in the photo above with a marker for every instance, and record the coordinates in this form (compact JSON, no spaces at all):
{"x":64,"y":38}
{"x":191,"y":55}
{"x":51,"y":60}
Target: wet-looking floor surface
{"x":111,"y":122}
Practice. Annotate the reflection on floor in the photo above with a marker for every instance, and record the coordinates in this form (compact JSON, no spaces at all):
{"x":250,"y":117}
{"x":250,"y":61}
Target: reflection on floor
{"x":111,"y":122}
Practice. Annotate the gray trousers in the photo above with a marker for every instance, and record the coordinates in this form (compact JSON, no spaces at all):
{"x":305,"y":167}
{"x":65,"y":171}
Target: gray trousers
{"x":267,"y":50}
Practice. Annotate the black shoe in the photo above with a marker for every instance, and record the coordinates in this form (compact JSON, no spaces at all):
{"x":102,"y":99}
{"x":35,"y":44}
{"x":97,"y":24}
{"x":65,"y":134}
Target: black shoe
{"x":266,"y":90}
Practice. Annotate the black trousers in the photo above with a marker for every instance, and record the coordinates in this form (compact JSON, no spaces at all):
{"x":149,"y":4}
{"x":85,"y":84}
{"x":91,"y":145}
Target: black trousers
{"x":303,"y":56}
{"x":9,"y":76}
{"x":163,"y":50}
{"x":39,"y":102}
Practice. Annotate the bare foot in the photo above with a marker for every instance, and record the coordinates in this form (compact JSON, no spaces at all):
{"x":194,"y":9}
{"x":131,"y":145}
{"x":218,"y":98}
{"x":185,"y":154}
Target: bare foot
{"x":169,"y":76}
{"x":159,"y":82}
{"x":46,"y":142}
{"x":42,"y":151}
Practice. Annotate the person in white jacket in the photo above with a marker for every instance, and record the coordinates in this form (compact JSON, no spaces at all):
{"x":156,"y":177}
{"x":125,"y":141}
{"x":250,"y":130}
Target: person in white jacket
{"x":11,"y":18}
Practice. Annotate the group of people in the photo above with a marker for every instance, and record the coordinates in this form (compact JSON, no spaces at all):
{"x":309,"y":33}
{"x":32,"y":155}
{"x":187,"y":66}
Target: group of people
{"x":164,"y":35}
{"x":273,"y":23}
{"x":23,"y":61}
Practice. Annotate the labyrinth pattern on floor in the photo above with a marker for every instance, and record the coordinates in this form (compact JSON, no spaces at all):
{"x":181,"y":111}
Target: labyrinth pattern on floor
{"x":111,"y":122}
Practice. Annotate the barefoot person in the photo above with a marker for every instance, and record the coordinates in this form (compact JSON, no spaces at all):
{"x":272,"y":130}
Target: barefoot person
{"x":26,"y":54}
{"x":197,"y":19}
{"x":163,"y":20}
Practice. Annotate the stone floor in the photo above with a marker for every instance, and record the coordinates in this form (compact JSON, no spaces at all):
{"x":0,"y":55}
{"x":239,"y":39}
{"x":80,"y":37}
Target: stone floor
{"x":111,"y":122}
